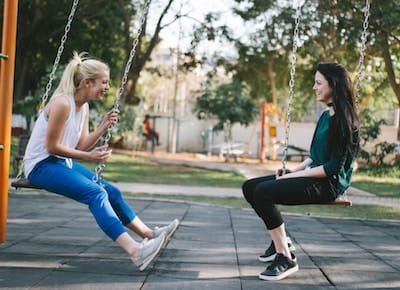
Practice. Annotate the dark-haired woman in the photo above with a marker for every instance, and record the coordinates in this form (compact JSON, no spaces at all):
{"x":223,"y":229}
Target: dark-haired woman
{"x":321,"y":178}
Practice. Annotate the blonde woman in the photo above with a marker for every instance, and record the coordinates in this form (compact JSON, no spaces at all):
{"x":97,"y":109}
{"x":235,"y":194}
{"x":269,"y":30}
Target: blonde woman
{"x":61,"y":137}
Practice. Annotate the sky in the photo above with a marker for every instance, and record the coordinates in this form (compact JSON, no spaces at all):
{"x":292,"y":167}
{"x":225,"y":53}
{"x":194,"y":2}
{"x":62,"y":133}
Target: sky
{"x":196,"y":9}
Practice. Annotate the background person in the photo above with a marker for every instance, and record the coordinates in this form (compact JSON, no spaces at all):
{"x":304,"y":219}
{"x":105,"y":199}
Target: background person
{"x":149,"y":131}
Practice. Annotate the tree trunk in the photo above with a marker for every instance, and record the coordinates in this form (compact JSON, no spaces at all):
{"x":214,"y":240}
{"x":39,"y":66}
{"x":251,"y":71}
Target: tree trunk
{"x":142,"y":55}
{"x":389,"y":69}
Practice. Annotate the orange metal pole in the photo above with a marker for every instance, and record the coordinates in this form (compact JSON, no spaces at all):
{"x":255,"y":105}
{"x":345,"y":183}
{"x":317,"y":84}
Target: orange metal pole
{"x":10,"y":12}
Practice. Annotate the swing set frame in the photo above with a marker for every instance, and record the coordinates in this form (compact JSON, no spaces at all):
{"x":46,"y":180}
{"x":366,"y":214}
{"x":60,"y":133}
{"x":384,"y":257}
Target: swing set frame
{"x":7,"y":63}
{"x":7,"y":78}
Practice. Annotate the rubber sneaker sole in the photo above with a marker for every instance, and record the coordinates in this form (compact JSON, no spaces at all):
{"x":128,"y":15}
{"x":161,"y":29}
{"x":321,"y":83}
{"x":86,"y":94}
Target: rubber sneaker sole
{"x":281,"y":276}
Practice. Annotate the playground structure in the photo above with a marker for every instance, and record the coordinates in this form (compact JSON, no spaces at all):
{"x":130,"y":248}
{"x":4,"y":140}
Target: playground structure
{"x":6,"y":79}
{"x":7,"y":62}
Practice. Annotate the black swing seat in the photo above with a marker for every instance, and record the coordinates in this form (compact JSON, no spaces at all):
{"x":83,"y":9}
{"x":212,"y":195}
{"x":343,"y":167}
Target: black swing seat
{"x":23,"y":183}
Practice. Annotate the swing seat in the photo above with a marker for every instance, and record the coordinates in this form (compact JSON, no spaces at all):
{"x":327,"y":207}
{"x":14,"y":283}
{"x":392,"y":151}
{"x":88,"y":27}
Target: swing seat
{"x":23,"y":183}
{"x":340,"y":201}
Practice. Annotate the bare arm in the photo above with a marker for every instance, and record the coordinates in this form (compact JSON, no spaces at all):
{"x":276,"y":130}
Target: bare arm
{"x":58,"y":111}
{"x":88,"y":140}
{"x":303,"y":165}
{"x":317,"y":172}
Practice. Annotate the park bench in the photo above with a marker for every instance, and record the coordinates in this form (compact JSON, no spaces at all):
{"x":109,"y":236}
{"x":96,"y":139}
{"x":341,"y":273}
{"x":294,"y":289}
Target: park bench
{"x":293,"y":151}
{"x":235,"y":149}
{"x":296,"y":152}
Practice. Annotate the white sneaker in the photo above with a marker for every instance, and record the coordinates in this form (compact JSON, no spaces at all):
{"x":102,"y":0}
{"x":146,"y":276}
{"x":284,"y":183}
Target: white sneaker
{"x":169,"y":229}
{"x":148,"y":250}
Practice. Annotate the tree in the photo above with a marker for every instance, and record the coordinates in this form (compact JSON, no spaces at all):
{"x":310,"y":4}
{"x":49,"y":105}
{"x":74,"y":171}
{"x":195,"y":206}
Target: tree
{"x":146,"y":45}
{"x":96,"y":31}
{"x":229,"y":102}
{"x":328,"y":31}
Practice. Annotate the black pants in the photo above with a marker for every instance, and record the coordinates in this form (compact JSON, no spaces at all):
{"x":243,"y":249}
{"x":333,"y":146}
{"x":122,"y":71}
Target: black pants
{"x":263,"y":193}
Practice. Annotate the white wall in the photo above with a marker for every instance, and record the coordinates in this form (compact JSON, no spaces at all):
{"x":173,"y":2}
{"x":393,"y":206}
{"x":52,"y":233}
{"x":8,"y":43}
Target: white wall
{"x":189,"y":134}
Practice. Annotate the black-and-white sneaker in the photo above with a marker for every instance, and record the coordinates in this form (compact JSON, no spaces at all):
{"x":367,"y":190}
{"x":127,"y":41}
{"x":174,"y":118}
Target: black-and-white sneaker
{"x":270,"y":253}
{"x":280,"y":268}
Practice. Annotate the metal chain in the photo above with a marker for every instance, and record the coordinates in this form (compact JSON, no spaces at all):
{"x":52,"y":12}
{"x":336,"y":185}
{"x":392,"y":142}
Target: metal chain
{"x":53,"y":71}
{"x":101,"y":166}
{"x":59,"y":53}
{"x":291,"y":84}
{"x":363,"y":47}
{"x":360,"y":72}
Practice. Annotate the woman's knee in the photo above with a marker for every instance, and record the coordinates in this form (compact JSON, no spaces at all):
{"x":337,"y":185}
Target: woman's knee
{"x":262,"y":195}
{"x":97,"y":195}
{"x":247,"y":191}
{"x":114,"y":193}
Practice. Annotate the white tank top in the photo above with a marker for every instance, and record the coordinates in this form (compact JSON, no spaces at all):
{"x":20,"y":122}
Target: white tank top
{"x":36,"y":149}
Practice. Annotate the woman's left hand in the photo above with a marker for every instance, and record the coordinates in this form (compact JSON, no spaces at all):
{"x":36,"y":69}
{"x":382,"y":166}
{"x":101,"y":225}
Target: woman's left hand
{"x":111,"y":118}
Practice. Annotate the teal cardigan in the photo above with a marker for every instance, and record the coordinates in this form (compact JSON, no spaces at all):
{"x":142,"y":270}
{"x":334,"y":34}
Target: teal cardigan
{"x":336,"y":166}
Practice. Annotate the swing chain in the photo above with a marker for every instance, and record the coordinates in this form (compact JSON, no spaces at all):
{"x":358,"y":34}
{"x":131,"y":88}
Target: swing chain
{"x":53,"y":71}
{"x":363,"y":47}
{"x":291,"y":83}
{"x":99,"y":168}
{"x":59,"y":53}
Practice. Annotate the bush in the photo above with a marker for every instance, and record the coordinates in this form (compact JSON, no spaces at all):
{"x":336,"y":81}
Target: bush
{"x":370,"y":130}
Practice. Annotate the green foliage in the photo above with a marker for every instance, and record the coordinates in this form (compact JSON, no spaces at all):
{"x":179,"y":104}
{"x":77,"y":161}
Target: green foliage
{"x":41,"y":25}
{"x":382,"y":150}
{"x":29,"y":105}
{"x":370,"y":130}
{"x":126,"y":121}
{"x":384,"y":171}
{"x":229,"y":102}
{"x":328,"y":31}
{"x":370,"y":126}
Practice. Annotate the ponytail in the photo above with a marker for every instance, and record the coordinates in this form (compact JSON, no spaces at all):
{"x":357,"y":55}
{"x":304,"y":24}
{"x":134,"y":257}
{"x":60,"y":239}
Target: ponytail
{"x":79,"y":68}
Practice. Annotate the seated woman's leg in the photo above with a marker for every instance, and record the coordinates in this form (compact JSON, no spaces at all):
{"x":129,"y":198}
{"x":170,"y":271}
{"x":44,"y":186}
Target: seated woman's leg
{"x":249,"y":186}
{"x":124,"y":212}
{"x":289,"y":191}
{"x":53,"y":175}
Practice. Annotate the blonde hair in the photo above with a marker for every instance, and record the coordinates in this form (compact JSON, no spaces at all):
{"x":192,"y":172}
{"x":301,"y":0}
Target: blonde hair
{"x":79,"y":68}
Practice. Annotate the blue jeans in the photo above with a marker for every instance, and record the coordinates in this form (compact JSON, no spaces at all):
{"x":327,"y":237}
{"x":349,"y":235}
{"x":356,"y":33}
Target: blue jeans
{"x":106,"y":204}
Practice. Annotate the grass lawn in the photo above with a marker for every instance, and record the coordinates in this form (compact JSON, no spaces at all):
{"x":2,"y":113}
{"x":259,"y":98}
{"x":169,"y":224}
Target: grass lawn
{"x":138,"y":169}
{"x":381,"y":181}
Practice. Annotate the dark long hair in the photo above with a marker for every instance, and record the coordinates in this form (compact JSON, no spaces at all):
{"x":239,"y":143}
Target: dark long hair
{"x":343,"y":133}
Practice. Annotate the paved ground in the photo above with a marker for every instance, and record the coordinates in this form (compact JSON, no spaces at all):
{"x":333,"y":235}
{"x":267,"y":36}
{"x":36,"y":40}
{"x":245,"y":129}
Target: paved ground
{"x":53,"y":243}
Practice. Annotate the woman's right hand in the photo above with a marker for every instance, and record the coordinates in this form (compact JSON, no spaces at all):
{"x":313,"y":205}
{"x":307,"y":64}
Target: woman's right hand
{"x":279,"y":172}
{"x":100,"y":154}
